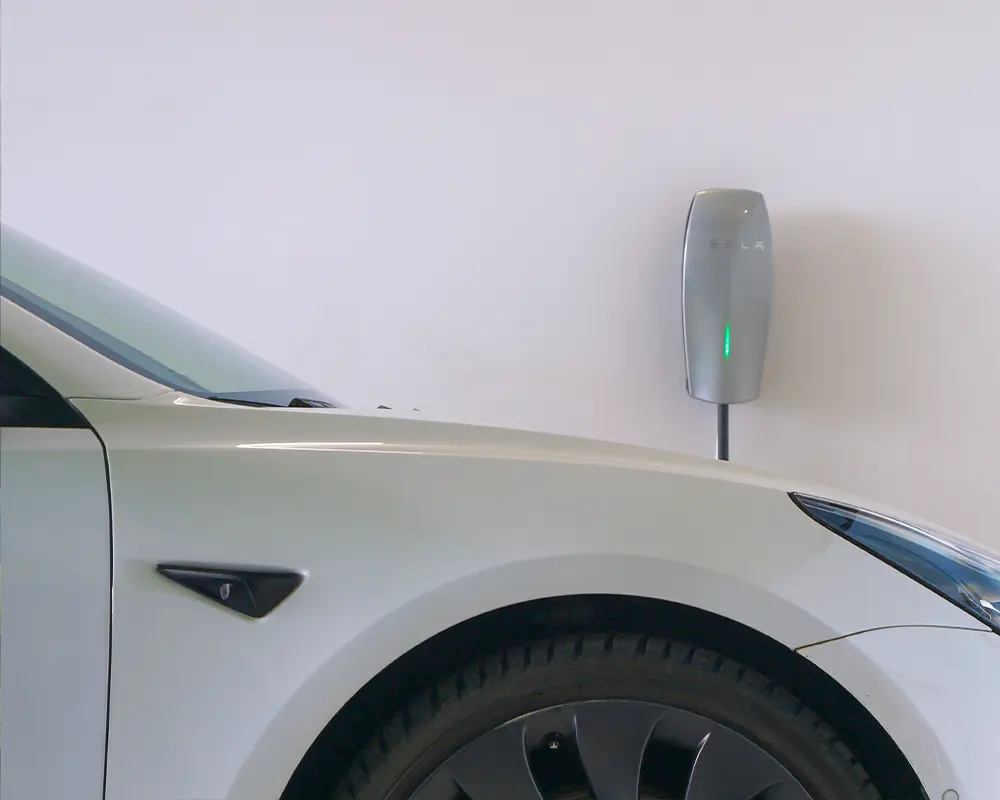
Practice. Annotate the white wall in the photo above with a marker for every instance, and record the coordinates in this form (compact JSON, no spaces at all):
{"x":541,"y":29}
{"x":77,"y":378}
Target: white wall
{"x":476,"y":208}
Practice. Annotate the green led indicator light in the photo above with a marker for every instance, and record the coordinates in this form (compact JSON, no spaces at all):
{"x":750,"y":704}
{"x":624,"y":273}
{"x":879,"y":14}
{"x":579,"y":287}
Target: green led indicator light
{"x":725,"y":347}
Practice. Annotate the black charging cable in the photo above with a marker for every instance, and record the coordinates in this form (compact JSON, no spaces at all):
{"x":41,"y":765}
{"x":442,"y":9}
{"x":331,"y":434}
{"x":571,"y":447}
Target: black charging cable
{"x":722,"y":435}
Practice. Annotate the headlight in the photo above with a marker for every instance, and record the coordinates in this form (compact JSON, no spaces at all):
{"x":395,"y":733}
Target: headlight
{"x":967,"y":577}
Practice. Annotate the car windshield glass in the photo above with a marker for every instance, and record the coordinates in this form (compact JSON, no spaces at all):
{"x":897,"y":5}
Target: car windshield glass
{"x":136,"y":331}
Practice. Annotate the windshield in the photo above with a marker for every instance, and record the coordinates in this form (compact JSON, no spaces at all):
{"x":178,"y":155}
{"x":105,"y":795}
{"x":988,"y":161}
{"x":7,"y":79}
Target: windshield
{"x":138,"y":332}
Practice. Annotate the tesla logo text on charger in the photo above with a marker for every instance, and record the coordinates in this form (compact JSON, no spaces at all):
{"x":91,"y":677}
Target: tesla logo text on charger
{"x":728,"y":244}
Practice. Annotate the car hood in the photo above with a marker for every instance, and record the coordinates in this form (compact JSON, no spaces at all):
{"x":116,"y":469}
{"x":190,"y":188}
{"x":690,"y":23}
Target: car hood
{"x":406,"y":432}
{"x":416,"y":433}
{"x":389,"y":431}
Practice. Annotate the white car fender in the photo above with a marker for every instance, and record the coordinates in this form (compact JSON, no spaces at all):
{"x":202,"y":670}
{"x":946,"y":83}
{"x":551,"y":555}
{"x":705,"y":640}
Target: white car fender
{"x":935,"y":692}
{"x":404,"y":528}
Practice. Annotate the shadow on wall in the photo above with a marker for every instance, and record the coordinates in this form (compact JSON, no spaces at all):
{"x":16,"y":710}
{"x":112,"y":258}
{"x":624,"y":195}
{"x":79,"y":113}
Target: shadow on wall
{"x":856,"y":326}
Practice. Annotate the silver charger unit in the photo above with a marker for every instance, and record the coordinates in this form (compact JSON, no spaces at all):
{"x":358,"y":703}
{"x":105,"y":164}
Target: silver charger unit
{"x":728,"y":279}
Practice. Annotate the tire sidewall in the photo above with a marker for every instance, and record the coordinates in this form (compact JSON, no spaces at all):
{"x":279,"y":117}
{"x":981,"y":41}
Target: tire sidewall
{"x":719,"y":690}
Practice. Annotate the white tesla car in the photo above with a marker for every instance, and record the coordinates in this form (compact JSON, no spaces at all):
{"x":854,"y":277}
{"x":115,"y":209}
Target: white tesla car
{"x":218,"y":583}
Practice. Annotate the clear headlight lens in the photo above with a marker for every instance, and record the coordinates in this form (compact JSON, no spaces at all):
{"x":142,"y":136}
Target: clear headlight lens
{"x":966,"y":576}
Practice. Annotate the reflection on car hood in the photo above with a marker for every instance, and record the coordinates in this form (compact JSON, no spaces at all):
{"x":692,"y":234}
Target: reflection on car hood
{"x":390,"y":431}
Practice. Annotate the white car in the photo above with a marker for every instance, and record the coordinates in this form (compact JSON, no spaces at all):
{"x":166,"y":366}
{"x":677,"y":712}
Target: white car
{"x":218,"y":583}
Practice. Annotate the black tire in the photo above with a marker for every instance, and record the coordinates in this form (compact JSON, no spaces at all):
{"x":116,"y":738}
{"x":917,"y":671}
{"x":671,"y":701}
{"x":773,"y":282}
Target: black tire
{"x":509,"y":685}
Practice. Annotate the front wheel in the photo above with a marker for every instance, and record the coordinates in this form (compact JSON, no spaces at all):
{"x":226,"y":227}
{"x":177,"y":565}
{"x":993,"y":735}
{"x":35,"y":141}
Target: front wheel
{"x":606,"y":717}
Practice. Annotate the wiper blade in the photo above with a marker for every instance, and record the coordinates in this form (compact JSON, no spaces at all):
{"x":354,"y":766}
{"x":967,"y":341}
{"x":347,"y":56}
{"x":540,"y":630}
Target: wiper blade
{"x":296,"y":402}
{"x":239,"y":401}
{"x":306,"y":402}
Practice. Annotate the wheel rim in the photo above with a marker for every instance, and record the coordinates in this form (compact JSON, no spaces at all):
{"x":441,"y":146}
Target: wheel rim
{"x":611,"y":750}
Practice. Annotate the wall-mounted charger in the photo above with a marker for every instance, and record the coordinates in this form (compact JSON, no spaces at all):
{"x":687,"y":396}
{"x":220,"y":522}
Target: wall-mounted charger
{"x":728,"y":278}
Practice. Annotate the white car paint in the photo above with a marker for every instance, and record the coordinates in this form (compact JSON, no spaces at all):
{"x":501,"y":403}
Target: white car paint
{"x":944,"y":682}
{"x":355,"y":500}
{"x":403,"y":526}
{"x":56,"y":557}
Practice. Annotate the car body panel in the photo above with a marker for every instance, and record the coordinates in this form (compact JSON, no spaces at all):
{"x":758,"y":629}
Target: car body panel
{"x":405,"y":527}
{"x":55,"y":545}
{"x":935,"y":691}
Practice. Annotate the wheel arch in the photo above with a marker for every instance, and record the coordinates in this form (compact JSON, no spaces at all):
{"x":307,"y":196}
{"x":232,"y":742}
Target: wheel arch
{"x":333,"y":751}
